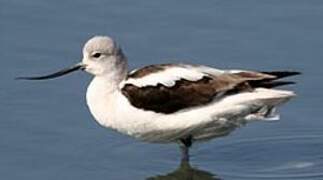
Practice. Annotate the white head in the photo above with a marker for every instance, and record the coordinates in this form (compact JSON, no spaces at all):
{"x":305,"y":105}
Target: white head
{"x":102,"y":57}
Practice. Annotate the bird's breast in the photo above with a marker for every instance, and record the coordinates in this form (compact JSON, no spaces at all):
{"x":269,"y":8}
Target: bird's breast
{"x":100,"y":100}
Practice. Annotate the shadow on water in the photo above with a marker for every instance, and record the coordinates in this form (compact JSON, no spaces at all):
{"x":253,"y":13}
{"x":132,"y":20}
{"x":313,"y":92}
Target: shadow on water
{"x":294,"y":157}
{"x":186,"y":171}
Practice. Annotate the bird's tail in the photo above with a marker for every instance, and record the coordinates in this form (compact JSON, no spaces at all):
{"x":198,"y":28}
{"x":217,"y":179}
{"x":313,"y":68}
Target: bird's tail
{"x":272,"y":82}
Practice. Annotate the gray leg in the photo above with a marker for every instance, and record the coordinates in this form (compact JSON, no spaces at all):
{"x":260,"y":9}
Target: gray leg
{"x":185,"y":144}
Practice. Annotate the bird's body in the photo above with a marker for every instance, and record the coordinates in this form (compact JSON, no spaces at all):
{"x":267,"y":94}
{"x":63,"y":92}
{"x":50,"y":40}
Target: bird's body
{"x":217,"y":117}
{"x":174,"y":102}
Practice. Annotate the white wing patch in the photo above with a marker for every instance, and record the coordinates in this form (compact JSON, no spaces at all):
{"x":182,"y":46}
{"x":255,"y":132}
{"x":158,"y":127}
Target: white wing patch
{"x":169,"y":76}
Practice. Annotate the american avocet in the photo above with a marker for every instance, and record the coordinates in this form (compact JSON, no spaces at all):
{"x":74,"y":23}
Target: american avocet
{"x":169,"y":103}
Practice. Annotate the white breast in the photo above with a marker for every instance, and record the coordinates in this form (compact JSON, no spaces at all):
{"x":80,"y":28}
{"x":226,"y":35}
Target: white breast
{"x":99,"y":100}
{"x":111,"y":109}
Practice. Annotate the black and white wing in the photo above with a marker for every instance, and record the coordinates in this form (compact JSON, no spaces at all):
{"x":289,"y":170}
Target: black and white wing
{"x":168,"y":88}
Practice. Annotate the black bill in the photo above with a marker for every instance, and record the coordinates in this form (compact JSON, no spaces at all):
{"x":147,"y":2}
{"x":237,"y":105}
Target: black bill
{"x":56,"y":74}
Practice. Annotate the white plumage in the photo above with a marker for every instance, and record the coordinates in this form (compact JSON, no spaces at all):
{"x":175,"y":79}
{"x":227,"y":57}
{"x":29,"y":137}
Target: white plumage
{"x":173,"y":73}
{"x":113,"y":110}
{"x":174,"y":102}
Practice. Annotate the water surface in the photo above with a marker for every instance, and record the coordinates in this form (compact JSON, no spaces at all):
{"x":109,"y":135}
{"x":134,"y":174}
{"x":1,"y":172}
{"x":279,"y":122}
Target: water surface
{"x":46,"y":131}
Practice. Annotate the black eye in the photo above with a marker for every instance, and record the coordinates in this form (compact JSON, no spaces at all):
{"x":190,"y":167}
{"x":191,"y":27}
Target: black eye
{"x":96,"y":55}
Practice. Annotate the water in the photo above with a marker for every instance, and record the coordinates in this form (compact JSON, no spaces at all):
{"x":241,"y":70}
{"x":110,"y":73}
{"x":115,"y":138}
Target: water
{"x":46,"y":131}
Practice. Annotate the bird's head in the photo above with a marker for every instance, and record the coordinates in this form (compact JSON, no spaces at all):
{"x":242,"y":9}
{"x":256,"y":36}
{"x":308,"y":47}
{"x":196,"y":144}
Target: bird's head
{"x":101,"y":57}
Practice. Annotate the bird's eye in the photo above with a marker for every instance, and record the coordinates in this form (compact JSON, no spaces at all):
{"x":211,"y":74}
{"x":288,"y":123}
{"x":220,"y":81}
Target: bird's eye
{"x":96,"y":55}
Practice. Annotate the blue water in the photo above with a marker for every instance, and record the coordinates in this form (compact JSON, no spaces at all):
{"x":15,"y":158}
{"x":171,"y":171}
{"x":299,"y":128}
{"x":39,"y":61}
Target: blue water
{"x":46,"y":131}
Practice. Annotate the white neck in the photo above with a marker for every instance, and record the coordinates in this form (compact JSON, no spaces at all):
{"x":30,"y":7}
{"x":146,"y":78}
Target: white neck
{"x":100,"y":96}
{"x":104,"y":88}
{"x":105,"y":84}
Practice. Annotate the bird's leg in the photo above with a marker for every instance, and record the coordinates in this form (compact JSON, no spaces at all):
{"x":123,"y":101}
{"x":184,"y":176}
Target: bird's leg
{"x":185,"y":144}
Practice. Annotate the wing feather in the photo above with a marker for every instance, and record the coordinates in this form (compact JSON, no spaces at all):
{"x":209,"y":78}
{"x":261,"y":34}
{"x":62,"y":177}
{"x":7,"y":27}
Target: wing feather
{"x":170,"y":88}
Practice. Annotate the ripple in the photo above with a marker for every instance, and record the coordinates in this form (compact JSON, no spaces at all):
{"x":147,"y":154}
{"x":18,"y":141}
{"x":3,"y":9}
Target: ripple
{"x":280,"y":176}
{"x":277,"y":157}
{"x":275,"y":138}
{"x":293,"y":165}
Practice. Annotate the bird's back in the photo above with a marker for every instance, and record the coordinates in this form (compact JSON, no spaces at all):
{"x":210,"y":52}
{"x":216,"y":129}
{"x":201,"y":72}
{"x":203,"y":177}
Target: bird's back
{"x":167,"y":102}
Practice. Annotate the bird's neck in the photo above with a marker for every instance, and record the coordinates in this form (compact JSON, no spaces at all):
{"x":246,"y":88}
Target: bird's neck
{"x":100,"y":98}
{"x":107,"y":83}
{"x":110,"y":80}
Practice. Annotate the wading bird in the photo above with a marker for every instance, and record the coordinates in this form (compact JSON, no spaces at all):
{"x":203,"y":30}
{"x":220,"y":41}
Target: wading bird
{"x":169,"y":103}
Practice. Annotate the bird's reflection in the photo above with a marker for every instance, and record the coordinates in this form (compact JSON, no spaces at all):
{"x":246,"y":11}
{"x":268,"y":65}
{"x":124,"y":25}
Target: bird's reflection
{"x":186,"y":172}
